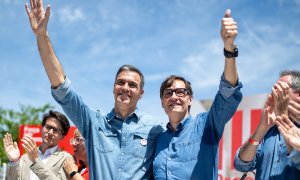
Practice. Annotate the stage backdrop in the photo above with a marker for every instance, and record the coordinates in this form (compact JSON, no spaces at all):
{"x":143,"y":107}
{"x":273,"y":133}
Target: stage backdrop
{"x":237,"y":131}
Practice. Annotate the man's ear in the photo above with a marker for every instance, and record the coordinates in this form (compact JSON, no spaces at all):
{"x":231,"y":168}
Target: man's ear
{"x":191,"y":100}
{"x":141,"y":94}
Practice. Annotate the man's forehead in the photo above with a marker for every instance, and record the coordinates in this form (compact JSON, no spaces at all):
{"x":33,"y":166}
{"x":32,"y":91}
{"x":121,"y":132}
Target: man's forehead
{"x":128,"y":75}
{"x":178,"y":84}
{"x":286,"y":79}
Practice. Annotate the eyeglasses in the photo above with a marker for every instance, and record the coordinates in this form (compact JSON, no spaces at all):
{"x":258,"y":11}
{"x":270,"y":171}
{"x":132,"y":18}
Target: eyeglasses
{"x":180,"y":92}
{"x":55,"y":130}
{"x":75,"y":141}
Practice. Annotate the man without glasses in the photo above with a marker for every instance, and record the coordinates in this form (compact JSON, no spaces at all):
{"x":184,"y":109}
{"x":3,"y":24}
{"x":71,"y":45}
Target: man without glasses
{"x":120,"y":144}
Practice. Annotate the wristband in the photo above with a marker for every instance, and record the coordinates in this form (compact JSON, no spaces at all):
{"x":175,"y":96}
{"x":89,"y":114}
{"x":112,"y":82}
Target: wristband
{"x":253,"y":142}
{"x":73,"y":173}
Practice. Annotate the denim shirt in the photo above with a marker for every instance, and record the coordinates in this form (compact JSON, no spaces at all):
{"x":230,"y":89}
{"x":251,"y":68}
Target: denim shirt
{"x":116,"y":148}
{"x":272,"y":160}
{"x":192,"y":151}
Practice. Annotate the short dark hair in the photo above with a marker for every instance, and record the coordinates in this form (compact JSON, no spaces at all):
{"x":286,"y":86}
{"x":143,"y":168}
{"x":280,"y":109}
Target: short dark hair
{"x":132,"y":68}
{"x":168,"y":82}
{"x":61,"y":118}
{"x":295,"y":78}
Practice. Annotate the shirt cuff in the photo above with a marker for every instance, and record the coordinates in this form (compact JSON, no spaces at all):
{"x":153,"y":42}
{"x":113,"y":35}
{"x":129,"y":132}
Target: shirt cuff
{"x":14,"y":163}
{"x":61,"y":92}
{"x":241,"y":165}
{"x":226,"y":89}
{"x":295,"y":158}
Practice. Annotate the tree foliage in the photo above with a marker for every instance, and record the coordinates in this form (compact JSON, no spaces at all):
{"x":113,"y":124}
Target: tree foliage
{"x":10,"y":121}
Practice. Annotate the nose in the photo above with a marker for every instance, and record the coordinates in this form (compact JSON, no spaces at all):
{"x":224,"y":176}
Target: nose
{"x":125,"y":86}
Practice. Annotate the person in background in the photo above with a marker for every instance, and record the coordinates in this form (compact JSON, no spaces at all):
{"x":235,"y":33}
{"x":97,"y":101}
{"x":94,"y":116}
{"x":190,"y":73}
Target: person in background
{"x":78,"y":168}
{"x":188,"y":149}
{"x":45,"y":161}
{"x":267,"y":151}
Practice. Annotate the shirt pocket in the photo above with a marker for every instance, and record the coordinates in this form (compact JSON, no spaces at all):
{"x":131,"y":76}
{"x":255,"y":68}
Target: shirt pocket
{"x":106,"y":140}
{"x":187,"y":150}
{"x":143,"y":145}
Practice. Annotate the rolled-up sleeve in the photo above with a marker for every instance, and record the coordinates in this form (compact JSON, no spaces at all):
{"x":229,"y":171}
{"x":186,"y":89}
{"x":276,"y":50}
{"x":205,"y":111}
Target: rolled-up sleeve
{"x":241,"y":165}
{"x":295,"y":158}
{"x":226,"y":89}
{"x":61,"y":92}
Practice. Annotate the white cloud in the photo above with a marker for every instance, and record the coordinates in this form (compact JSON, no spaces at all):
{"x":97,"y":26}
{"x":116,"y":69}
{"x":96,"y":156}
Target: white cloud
{"x":68,"y":15}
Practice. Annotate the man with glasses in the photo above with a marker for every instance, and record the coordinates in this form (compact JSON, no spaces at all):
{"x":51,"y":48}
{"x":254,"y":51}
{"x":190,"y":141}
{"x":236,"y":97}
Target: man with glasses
{"x":188,"y":149}
{"x":45,"y":161}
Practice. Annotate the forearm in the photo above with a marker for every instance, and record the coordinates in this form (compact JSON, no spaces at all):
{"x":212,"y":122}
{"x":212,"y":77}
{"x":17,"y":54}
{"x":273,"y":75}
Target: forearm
{"x":51,"y":64}
{"x":248,"y":151}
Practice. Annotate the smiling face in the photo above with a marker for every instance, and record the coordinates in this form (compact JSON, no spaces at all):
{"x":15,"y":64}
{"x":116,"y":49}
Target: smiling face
{"x":127,"y":91}
{"x":176,"y":100}
{"x":52,"y":133}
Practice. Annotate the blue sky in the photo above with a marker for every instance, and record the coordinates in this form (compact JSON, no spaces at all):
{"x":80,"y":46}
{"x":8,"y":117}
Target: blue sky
{"x":93,"y":39}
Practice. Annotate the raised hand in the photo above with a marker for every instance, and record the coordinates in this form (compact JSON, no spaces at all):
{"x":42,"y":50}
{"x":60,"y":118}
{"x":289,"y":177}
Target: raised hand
{"x":11,"y":148}
{"x":229,"y":30}
{"x":289,"y":131}
{"x":280,"y":94}
{"x":38,"y":17}
{"x":30,"y":147}
{"x":294,"y":109}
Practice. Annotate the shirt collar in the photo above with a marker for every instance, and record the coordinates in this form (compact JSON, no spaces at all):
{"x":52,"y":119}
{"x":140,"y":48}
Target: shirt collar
{"x":112,"y":115}
{"x":49,"y":151}
{"x":181,"y":125}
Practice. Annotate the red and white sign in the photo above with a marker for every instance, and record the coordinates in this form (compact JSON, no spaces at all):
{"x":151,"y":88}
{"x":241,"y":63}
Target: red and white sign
{"x":237,"y":131}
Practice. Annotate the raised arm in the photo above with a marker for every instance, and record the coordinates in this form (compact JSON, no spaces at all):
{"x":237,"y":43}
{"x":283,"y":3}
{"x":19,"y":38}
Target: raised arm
{"x":228,"y":34}
{"x":38,"y":19}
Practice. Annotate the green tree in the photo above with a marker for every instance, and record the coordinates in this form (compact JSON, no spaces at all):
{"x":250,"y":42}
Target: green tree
{"x":10,"y":121}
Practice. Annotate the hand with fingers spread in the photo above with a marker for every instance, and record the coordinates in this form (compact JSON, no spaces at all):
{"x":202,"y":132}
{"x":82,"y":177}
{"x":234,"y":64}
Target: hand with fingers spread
{"x":280,"y":95}
{"x":30,"y":147}
{"x":38,"y":17}
{"x":294,"y":109}
{"x":229,"y":30}
{"x":289,"y":131}
{"x":11,"y":148}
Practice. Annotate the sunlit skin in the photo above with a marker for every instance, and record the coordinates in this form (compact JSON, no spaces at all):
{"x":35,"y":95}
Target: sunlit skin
{"x":176,"y":107}
{"x":292,"y":95}
{"x":49,"y":138}
{"x":127,"y":92}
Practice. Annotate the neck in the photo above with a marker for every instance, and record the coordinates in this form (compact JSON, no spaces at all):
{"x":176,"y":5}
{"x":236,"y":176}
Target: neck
{"x":176,"y":119}
{"x":43,"y":148}
{"x":124,"y":113}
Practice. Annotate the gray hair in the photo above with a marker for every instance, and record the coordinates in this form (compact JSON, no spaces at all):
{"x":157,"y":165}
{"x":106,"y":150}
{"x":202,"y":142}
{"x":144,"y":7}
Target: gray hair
{"x":295,"y":78}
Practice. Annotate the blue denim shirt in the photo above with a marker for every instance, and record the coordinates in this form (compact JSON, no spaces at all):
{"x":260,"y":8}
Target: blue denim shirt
{"x":192,"y":151}
{"x":116,"y":148}
{"x":272,"y":160}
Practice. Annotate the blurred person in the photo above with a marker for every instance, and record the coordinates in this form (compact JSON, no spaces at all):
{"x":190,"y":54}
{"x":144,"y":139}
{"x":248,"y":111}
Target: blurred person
{"x":188,"y":149}
{"x":71,"y":167}
{"x":45,"y":161}
{"x":120,"y":144}
{"x":266,"y":151}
